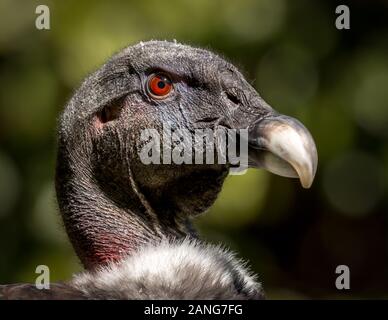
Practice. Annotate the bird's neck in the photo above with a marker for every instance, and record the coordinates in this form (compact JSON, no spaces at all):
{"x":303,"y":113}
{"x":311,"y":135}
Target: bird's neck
{"x":103,"y":227}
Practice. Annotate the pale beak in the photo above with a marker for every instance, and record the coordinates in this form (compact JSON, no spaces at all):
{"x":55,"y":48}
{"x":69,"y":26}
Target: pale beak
{"x":283,"y":145}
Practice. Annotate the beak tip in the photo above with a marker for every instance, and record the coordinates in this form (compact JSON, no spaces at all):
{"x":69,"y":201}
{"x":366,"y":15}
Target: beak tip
{"x":290,"y":148}
{"x":306,"y":184}
{"x":308,"y":171}
{"x":307,"y":178}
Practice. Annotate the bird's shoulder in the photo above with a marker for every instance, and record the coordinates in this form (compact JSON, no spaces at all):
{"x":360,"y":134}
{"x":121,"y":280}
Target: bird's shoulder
{"x":29,"y":291}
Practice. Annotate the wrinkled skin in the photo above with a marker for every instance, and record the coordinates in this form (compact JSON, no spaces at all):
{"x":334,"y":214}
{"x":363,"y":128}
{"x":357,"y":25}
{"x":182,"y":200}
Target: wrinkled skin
{"x":112,"y":203}
{"x":100,"y":178}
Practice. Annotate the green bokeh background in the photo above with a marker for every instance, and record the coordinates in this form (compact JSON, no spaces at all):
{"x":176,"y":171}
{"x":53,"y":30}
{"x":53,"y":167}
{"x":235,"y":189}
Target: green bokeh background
{"x":334,"y":81}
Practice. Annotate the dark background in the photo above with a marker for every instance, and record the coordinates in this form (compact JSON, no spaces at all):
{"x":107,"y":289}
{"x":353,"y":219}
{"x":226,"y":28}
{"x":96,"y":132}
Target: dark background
{"x":334,"y":81}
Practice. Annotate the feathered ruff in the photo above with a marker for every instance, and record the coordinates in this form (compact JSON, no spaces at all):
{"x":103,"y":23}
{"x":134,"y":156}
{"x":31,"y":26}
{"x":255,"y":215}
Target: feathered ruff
{"x":186,"y":269}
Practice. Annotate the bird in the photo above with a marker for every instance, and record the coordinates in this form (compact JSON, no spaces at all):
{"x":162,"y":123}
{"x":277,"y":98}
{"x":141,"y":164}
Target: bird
{"x":130,"y":223}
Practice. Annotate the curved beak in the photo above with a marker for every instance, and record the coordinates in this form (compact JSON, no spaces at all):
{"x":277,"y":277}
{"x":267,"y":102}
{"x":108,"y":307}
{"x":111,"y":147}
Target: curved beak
{"x":283,"y":145}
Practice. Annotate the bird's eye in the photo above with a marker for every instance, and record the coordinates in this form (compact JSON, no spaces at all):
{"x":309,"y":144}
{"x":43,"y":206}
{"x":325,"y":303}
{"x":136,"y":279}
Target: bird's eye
{"x":159,"y":85}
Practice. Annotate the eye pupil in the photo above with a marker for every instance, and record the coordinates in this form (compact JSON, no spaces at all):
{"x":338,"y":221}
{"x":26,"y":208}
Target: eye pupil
{"x":161,"y":84}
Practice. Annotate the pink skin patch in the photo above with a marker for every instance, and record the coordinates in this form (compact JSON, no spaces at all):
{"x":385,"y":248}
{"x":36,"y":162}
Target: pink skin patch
{"x":105,"y":249}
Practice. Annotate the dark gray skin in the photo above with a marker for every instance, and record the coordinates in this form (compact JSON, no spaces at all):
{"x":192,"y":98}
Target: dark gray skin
{"x":111,"y":203}
{"x":123,"y":202}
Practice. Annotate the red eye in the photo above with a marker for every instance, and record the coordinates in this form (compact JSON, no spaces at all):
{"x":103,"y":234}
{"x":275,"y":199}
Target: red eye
{"x":159,"y":85}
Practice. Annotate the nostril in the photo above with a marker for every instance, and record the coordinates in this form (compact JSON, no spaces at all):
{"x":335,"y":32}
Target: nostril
{"x":232,"y":97}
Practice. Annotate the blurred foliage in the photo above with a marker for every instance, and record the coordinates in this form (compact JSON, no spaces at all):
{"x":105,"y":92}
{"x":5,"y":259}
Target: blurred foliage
{"x":334,"y":81}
